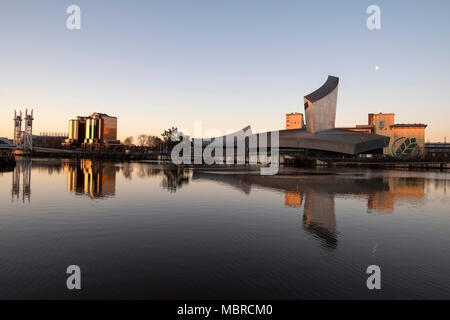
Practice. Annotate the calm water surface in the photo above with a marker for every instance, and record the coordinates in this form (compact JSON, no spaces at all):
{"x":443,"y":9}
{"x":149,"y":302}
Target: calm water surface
{"x":141,"y":230}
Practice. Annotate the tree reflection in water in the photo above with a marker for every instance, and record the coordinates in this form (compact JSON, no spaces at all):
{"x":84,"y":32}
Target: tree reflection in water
{"x":313,"y":193}
{"x":172,"y":177}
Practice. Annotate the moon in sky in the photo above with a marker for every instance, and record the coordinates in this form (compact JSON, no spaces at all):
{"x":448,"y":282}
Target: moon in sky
{"x":377,"y":67}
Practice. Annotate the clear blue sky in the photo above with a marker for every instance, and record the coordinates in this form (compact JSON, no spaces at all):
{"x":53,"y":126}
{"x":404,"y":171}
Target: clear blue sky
{"x":155,"y":64}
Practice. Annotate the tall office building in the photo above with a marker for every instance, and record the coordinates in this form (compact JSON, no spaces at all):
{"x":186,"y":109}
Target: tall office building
{"x":98,"y":128}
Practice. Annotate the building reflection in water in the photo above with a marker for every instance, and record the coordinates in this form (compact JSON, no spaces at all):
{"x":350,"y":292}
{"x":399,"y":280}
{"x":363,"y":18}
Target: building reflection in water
{"x":313,"y":195}
{"x":410,"y":189}
{"x":317,"y":195}
{"x":381,"y":193}
{"x":95,"y":179}
{"x":292,"y":199}
{"x":21,"y":174}
{"x":92,"y":178}
{"x":318,"y":213}
{"x":172,"y":177}
{"x":319,"y":217}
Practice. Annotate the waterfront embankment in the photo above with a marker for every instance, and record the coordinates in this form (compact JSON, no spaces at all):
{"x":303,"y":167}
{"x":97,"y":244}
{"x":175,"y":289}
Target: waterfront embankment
{"x":387,"y":164}
{"x":105,"y":155}
{"x":285,"y":161}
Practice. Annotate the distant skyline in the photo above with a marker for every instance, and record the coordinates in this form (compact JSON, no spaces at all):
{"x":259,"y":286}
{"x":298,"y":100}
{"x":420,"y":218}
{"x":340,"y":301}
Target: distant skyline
{"x":157,"y":64}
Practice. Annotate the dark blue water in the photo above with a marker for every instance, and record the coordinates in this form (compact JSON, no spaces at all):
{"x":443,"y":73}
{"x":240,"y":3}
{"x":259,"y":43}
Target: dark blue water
{"x":142,"y":230}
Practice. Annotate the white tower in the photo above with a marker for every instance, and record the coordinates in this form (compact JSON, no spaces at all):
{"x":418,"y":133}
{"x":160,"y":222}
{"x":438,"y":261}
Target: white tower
{"x":17,"y":127}
{"x":28,"y":133}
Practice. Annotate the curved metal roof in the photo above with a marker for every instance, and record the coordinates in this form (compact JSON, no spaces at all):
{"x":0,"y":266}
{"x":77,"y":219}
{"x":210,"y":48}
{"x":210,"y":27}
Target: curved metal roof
{"x":334,"y":140}
{"x":247,"y":131}
{"x":324,"y":90}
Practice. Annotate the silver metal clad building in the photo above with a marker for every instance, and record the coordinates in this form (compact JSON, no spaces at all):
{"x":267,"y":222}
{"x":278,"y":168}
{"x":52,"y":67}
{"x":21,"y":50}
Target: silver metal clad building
{"x":320,"y":134}
{"x":320,"y":106}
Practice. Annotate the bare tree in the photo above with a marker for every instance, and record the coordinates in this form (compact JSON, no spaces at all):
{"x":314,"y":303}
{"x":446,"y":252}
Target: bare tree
{"x":128,"y":141}
{"x":142,"y":138}
{"x":153,"y":141}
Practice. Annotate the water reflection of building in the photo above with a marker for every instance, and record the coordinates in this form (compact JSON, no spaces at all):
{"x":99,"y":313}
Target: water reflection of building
{"x":21,"y":172}
{"x":411,"y":189}
{"x":437,"y":186}
{"x":319,"y":216}
{"x":316,"y":193}
{"x":93,"y":132}
{"x":92,"y":178}
{"x":292,"y":199}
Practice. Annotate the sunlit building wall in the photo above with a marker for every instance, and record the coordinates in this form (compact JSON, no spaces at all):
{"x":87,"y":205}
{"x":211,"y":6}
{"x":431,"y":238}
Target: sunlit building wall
{"x":381,"y":124}
{"x":294,"y":120}
{"x":77,"y":130}
{"x":407,"y":137}
{"x":405,"y":140}
{"x":109,"y":129}
{"x":101,"y":128}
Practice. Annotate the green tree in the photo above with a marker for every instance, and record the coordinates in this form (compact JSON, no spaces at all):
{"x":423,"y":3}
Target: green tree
{"x":170,"y":134}
{"x":171,"y":137}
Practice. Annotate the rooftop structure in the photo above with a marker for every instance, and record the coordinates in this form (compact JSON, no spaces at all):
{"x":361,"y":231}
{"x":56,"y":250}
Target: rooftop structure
{"x":294,"y":120}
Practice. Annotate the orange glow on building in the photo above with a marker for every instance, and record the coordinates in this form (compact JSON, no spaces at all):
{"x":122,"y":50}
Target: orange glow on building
{"x":292,"y":199}
{"x":294,"y":120}
{"x":406,"y":140}
{"x":399,"y":189}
